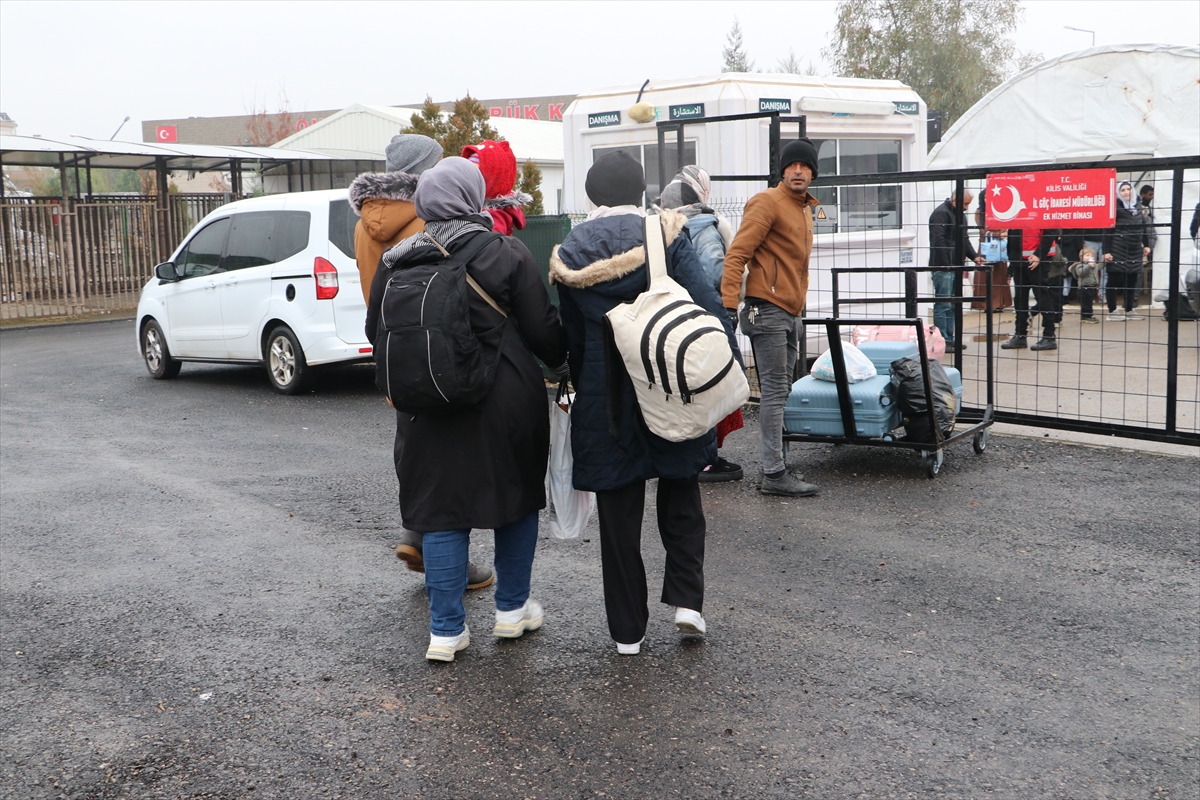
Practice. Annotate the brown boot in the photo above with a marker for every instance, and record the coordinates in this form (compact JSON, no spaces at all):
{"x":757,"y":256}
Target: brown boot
{"x":479,"y":577}
{"x":409,"y":550}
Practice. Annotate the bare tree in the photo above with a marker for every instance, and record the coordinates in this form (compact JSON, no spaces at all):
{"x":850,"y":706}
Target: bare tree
{"x":952,"y":52}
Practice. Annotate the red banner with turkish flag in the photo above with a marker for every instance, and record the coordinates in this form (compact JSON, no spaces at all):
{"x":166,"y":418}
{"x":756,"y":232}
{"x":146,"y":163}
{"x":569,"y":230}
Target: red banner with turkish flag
{"x":167,"y":133}
{"x":1076,"y":198}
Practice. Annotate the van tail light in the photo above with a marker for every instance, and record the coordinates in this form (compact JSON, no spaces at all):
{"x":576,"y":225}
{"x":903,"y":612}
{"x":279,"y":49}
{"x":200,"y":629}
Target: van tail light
{"x":326,"y":276}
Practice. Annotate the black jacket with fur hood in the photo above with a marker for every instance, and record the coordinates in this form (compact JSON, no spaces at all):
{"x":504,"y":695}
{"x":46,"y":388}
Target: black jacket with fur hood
{"x":383,"y":200}
{"x":601,"y":263}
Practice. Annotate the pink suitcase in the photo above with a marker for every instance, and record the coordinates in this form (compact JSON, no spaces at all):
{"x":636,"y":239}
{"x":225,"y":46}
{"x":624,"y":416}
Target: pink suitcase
{"x":934,"y":342}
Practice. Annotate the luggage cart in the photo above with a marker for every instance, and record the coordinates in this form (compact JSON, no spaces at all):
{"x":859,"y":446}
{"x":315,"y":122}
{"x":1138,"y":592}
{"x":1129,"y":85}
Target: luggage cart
{"x":932,"y":453}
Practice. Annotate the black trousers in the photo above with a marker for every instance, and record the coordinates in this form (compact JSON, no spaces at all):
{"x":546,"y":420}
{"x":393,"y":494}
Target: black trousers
{"x":681,"y":526}
{"x":1122,"y":286}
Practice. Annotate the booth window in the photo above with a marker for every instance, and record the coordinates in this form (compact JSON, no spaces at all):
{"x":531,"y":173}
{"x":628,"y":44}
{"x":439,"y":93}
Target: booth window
{"x":858,"y":208}
{"x":647,"y":156}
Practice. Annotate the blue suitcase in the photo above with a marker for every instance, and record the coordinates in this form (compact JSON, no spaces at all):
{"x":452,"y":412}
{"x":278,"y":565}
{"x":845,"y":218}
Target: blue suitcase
{"x":883,"y":353}
{"x":812,"y":408}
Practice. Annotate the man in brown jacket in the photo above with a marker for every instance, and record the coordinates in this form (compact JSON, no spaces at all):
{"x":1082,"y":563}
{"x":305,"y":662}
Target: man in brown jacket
{"x":772,"y":248}
{"x":383,"y":201}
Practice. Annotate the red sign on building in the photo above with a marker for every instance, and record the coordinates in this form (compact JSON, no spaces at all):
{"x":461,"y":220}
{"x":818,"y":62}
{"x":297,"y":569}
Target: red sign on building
{"x":166,"y":133}
{"x":1079,"y":198}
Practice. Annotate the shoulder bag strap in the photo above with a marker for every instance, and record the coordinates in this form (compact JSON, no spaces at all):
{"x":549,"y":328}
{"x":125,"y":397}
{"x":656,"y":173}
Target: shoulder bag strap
{"x":656,"y":249}
{"x":467,"y":253}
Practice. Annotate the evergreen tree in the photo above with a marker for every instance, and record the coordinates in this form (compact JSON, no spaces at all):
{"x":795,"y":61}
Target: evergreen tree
{"x":528,"y":182}
{"x":735,"y":56}
{"x":951,"y":52}
{"x":467,"y":124}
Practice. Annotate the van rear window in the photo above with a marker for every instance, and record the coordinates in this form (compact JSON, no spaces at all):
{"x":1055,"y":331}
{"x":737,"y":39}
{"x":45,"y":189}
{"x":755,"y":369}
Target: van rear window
{"x":341,"y":226}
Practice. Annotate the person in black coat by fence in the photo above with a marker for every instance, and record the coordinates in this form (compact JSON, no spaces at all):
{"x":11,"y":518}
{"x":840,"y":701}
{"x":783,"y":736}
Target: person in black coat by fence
{"x":1125,"y":246}
{"x":482,"y":466}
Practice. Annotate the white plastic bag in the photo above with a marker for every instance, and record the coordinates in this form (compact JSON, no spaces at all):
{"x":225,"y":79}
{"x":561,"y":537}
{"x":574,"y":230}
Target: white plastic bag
{"x":858,"y":366}
{"x":569,"y":509}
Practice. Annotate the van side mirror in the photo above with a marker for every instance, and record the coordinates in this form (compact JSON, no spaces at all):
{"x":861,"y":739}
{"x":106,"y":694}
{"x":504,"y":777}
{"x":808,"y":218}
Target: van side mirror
{"x":166,"y":272}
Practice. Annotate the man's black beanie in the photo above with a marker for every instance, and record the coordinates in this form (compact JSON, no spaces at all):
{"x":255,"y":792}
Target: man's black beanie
{"x":616,"y":179}
{"x":802,"y":150}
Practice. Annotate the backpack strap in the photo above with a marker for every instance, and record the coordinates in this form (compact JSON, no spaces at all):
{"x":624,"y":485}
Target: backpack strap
{"x":477,"y":243}
{"x":656,"y":247}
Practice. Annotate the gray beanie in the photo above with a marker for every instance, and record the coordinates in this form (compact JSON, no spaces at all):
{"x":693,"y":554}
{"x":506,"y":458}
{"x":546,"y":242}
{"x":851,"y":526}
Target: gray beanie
{"x":412,"y":153}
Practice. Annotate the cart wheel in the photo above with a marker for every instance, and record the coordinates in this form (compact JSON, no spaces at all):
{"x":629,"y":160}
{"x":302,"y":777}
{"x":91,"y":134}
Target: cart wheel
{"x":980,"y":442}
{"x":932,"y":461}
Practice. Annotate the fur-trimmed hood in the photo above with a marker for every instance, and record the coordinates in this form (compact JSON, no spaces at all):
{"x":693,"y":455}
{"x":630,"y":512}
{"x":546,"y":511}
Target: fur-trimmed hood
{"x":510,"y":200}
{"x":385,"y":185}
{"x":586,"y":259}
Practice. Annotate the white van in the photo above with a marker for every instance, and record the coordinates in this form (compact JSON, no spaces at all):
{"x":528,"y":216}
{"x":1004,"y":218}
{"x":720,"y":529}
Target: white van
{"x":268,"y":280}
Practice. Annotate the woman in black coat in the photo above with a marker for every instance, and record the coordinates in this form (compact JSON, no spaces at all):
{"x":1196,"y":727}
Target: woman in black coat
{"x":482,"y":466}
{"x":1124,"y":246}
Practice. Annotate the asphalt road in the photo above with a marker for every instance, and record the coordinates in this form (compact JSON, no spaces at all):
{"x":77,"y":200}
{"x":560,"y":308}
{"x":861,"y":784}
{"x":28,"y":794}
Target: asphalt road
{"x":200,"y":600}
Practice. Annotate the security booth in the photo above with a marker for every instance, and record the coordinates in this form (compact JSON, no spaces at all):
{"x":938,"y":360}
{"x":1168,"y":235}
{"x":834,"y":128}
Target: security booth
{"x":860,"y":127}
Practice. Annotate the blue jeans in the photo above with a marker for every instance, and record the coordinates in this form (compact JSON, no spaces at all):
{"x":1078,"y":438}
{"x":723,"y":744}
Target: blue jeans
{"x":776,"y":342}
{"x":445,"y":554}
{"x":945,"y":284}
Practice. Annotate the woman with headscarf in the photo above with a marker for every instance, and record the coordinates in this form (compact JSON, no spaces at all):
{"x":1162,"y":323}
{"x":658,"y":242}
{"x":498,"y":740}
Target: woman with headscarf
{"x":482,"y":466}
{"x":688,"y":193}
{"x":1124,"y":246}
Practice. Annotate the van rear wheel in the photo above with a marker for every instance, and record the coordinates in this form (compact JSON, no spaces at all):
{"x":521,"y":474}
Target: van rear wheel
{"x":286,"y":368}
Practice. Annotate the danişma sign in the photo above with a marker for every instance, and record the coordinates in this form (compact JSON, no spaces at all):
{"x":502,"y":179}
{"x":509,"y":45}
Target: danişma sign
{"x":687,"y":111}
{"x":603,"y":119}
{"x":783,"y":106}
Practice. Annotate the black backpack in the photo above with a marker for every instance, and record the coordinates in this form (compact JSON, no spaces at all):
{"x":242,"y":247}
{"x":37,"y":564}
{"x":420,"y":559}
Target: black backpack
{"x":427,"y":357}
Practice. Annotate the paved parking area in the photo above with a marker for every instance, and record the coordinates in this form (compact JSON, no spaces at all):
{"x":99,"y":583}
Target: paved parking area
{"x":198,"y":599}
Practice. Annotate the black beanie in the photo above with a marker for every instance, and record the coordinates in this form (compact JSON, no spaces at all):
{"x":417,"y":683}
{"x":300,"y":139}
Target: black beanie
{"x":616,"y":179}
{"x":802,"y":150}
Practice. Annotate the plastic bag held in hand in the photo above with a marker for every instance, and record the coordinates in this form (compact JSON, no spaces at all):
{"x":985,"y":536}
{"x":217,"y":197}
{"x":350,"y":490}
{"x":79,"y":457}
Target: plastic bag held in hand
{"x":569,"y":509}
{"x":858,"y":366}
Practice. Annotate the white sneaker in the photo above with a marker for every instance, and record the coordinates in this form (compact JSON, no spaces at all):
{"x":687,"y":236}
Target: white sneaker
{"x":511,"y":624}
{"x":689,"y":621}
{"x":443,"y":648}
{"x":1116,"y":316}
{"x":630,"y":649}
{"x":1129,"y":315}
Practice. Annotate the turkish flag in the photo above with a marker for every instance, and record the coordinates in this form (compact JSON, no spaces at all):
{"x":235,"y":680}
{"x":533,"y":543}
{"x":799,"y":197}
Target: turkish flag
{"x":167,"y":133}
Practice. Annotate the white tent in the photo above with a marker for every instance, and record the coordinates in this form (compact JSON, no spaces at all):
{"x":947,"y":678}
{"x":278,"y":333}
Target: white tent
{"x":362,"y":132}
{"x":1132,"y":101}
{"x":1100,"y":104}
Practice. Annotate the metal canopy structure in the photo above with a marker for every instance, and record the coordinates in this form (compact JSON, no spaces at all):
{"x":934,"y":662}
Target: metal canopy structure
{"x":29,"y":151}
{"x":82,"y":153}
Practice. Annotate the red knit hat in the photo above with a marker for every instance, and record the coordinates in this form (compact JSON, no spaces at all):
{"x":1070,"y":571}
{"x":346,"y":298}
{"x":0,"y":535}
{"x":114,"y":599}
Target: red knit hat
{"x":497,"y":163}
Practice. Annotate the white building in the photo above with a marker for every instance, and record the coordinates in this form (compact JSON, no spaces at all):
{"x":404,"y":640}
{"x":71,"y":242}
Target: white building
{"x":362,"y":132}
{"x":859,"y":127}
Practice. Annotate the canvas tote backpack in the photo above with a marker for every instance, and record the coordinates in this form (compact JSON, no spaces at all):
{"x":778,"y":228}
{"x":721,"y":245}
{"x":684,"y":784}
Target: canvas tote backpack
{"x":676,"y":353}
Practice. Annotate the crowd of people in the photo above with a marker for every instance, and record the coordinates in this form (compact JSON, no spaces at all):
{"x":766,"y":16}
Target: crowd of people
{"x":482,"y":466}
{"x":1047,"y":264}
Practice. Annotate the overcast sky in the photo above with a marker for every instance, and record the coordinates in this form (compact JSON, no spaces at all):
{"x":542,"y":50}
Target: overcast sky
{"x":80,"y":68}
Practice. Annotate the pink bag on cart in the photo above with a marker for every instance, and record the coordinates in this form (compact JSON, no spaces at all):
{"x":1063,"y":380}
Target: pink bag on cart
{"x":935,"y":343}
